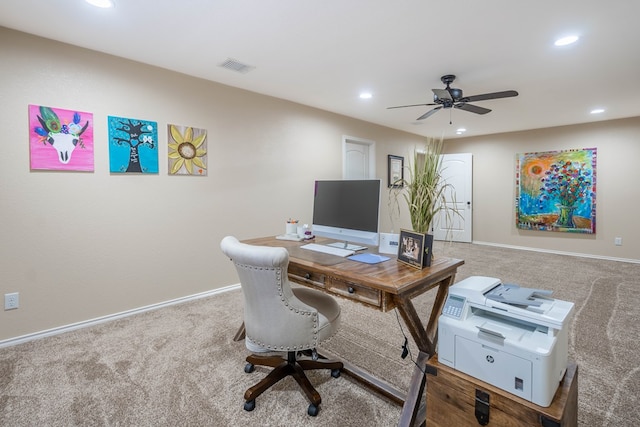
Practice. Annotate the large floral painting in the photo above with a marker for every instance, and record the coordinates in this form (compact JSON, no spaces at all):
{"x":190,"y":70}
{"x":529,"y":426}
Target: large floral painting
{"x":187,"y":150}
{"x":60,"y":139}
{"x":557,"y":191}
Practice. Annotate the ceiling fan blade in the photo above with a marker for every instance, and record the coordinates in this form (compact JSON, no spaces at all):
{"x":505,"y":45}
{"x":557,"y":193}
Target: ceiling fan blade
{"x":414,"y":105}
{"x":486,"y":96}
{"x":472,"y":108}
{"x":442,"y":94}
{"x":428,"y":113}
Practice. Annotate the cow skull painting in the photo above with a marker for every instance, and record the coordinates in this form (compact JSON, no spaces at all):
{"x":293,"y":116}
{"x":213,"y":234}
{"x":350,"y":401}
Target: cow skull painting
{"x":64,"y":138}
{"x":61,"y":132}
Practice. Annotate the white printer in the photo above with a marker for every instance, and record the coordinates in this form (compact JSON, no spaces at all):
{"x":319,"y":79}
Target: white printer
{"x":511,"y":337}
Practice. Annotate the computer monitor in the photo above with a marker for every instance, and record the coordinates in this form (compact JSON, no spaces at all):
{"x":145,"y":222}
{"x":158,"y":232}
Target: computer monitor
{"x":347,"y":210}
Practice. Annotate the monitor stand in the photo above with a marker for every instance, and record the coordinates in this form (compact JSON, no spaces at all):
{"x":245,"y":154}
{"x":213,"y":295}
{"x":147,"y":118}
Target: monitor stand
{"x":346,"y":245}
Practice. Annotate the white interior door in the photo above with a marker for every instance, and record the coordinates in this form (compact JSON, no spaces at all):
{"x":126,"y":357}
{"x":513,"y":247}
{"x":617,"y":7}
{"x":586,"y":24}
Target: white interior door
{"x":457,"y":170}
{"x":358,"y":158}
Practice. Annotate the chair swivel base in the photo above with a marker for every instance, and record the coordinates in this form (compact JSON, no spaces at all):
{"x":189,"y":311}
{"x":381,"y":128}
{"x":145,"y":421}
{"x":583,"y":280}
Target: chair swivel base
{"x":283,"y":368}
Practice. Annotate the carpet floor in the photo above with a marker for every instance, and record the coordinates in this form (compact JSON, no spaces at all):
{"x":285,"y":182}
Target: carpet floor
{"x":179,"y":366}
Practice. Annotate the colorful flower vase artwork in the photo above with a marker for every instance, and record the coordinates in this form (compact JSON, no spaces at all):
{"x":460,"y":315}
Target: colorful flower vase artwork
{"x":133,"y":145}
{"x":557,"y":191}
{"x":60,"y":139}
{"x":187,"y":150}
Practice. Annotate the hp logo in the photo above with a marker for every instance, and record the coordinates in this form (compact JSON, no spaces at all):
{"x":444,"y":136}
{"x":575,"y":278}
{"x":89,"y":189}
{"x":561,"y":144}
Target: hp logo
{"x":489,"y":358}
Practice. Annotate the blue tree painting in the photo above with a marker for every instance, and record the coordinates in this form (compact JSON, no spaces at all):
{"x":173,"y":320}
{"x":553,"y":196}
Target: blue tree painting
{"x":133,"y":145}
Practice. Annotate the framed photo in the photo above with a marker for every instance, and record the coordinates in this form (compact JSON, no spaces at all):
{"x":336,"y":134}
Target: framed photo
{"x":414,"y":249}
{"x":395,"y":171}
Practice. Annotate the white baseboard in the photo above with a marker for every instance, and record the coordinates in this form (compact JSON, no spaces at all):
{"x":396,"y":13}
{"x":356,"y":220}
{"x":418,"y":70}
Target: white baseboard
{"x":68,"y":328}
{"x":108,"y":318}
{"x":549,"y":251}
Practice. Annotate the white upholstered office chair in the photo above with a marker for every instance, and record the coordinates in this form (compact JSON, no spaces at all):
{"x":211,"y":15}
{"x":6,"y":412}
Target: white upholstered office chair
{"x":279,"y":318}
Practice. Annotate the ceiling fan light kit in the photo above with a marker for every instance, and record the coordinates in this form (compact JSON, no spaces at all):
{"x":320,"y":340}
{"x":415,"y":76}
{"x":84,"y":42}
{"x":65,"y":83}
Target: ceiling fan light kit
{"x":450,"y":97}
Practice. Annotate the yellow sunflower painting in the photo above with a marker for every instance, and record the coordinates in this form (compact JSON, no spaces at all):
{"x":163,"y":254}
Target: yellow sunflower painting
{"x":187,"y":150}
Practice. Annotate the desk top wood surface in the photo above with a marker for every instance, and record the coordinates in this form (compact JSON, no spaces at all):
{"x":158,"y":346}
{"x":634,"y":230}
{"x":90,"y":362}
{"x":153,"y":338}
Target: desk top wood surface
{"x":389,"y":276}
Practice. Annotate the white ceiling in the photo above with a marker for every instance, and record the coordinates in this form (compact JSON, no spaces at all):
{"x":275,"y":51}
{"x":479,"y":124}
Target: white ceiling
{"x":324,"y":53}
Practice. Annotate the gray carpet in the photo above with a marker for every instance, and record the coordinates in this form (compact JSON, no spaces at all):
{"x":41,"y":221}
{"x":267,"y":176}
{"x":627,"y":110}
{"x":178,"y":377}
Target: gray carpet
{"x":178,"y":366}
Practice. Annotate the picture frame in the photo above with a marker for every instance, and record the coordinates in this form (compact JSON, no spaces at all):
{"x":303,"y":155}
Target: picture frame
{"x":556,"y":191}
{"x":395,"y":171}
{"x":414,"y":249}
{"x":60,"y":139}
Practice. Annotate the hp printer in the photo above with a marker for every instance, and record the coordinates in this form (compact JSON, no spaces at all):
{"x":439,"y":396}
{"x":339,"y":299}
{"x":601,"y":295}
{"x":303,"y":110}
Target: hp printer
{"x":511,"y":337}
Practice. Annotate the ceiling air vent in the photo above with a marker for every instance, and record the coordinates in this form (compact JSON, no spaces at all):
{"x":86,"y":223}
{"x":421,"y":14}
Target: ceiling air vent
{"x":237,"y":66}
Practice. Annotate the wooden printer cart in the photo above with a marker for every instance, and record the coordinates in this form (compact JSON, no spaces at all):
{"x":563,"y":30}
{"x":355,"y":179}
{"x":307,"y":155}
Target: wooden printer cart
{"x":457,"y":399}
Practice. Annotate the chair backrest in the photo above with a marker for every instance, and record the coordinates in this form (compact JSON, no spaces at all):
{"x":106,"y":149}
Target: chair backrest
{"x":274,"y":318}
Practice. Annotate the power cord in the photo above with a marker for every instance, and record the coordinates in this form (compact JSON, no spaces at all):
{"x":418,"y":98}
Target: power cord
{"x":406,"y":351}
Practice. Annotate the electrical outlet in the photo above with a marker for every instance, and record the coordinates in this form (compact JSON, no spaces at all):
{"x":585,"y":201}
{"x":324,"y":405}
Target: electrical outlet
{"x":11,"y":301}
{"x":618,"y":241}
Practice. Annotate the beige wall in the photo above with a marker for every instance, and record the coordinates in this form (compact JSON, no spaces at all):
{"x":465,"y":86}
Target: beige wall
{"x":78,"y":246}
{"x":618,"y":197}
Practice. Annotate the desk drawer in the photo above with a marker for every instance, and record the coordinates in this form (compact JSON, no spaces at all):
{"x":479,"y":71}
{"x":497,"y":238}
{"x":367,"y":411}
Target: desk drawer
{"x":306,"y":277}
{"x":354,"y":291}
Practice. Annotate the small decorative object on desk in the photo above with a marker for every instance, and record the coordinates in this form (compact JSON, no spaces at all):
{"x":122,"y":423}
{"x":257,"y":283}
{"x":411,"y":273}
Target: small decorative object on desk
{"x":292,"y":227}
{"x":415,"y":249}
{"x":305,"y":232}
{"x":292,"y":231}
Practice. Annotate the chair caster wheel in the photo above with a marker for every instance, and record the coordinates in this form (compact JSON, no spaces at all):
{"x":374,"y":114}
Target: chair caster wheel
{"x":248,"y":368}
{"x":313,"y":410}
{"x":335,"y":373}
{"x":249,"y":405}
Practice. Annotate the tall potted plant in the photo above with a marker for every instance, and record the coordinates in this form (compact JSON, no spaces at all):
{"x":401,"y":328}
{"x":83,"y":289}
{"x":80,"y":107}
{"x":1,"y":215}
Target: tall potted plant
{"x":425,"y":191}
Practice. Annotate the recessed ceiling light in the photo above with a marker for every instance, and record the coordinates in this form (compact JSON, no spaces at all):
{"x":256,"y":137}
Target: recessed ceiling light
{"x":366,"y":95}
{"x":566,"y":40}
{"x":101,"y":3}
{"x":597,"y":111}
{"x":460,"y":131}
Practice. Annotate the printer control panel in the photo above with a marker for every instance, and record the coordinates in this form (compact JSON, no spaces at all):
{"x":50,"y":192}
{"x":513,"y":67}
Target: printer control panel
{"x":453,"y":306}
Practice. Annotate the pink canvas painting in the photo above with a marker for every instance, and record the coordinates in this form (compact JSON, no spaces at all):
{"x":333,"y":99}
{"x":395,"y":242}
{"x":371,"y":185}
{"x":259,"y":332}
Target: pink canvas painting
{"x":60,"y":139}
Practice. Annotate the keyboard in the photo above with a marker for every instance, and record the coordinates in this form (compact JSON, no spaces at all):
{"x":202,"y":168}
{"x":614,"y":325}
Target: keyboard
{"x":341,"y":245}
{"x":327,"y":249}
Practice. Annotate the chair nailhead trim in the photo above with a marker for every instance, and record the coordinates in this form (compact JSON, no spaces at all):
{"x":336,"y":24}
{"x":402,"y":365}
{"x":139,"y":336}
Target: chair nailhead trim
{"x":278,"y":274}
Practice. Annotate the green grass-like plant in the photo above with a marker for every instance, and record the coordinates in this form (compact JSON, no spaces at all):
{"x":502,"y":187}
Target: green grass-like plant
{"x":424,"y":190}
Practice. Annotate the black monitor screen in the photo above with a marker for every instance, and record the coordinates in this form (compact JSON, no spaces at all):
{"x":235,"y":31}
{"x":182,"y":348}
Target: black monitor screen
{"x":347,"y":204}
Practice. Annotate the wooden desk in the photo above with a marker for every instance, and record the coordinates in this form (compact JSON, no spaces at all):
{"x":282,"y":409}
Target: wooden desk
{"x":382,"y":286}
